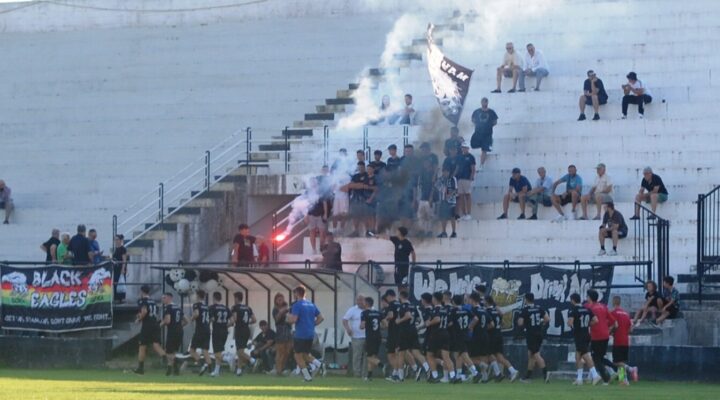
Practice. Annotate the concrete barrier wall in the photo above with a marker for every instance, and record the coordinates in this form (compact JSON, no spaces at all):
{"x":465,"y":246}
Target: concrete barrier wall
{"x":36,"y":352}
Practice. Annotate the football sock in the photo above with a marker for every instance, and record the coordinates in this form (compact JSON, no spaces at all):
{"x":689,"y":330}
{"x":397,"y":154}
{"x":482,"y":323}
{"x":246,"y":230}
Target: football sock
{"x":306,"y":373}
{"x":528,"y":374}
{"x":426,"y":366}
{"x":316,"y":363}
{"x":602,"y":247}
{"x":615,"y":248}
{"x":401,"y":373}
{"x":217,"y":367}
{"x":495,"y":367}
{"x":458,"y":371}
{"x":445,"y":374}
{"x":545,"y":372}
{"x":414,"y":367}
{"x":473,"y":370}
{"x":593,"y":372}
{"x":512,"y":370}
{"x":141,"y":365}
{"x":252,"y":360}
{"x":579,"y":374}
{"x":452,"y":374}
{"x":434,"y":374}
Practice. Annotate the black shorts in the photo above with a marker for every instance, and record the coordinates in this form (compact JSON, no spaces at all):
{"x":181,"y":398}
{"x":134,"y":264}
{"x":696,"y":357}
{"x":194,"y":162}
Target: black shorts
{"x":482,"y":141}
{"x":173,"y":341}
{"x":302,"y":346}
{"x":372,"y":346}
{"x":439,"y":340}
{"x":479,"y":346}
{"x":566,"y":198}
{"x":620,"y":354}
{"x":534,"y":342}
{"x":582,"y":344}
{"x":497,"y":345}
{"x":458,"y":344}
{"x":200,"y":340}
{"x":408,"y":341}
{"x":673,"y":311}
{"x":601,"y":100}
{"x":391,"y":342}
{"x":621,"y":234}
{"x":598,"y":348}
{"x":149,"y":334}
{"x":219,"y":337}
{"x":241,"y":339}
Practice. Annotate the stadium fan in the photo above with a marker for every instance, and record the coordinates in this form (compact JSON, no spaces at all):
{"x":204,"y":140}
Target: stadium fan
{"x":483,"y":119}
{"x":241,"y":318}
{"x":541,"y":193}
{"x":6,"y":201}
{"x":283,"y":333}
{"x":671,"y":300}
{"x":63,"y":254}
{"x":652,"y":190}
{"x":407,"y":114}
{"x":511,"y":67}
{"x":653,"y":303}
{"x":319,"y":212}
{"x":635,"y":92}
{"x":174,"y":321}
{"x":573,"y":191}
{"x":425,"y":189}
{"x":518,"y":190}
{"x":579,"y":320}
{"x":219,"y":316}
{"x":79,"y":247}
{"x":533,"y":319}
{"x":120,"y":259}
{"x":97,"y":254}
{"x":593,"y":95}
{"x":600,"y":192}
{"x":465,"y":176}
{"x":446,"y":191}
{"x":377,"y":163}
{"x":201,"y":336}
{"x":147,"y":317}
{"x":613,"y":227}
{"x":352,"y":323}
{"x":305,"y":316}
{"x":263,"y":344}
{"x":332,"y":253}
{"x":50,"y":246}
{"x":535,"y":66}
{"x":454,"y":141}
{"x":404,"y":251}
{"x":370,"y":323}
{"x":244,"y":250}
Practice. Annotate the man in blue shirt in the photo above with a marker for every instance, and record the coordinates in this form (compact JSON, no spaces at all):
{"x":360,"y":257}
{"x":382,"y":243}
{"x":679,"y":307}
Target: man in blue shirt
{"x":573,"y":190}
{"x":97,"y":254}
{"x":306,"y":316}
{"x":517,"y":192}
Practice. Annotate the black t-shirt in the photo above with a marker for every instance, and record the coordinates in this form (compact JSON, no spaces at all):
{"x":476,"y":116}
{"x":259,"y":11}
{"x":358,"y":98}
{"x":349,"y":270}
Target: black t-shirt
{"x":318,"y":209}
{"x":581,"y":320}
{"x":372,"y":182}
{"x":332,"y":255}
{"x":599,"y":85}
{"x":616,"y":218}
{"x":80,"y":247}
{"x":246,"y":243}
{"x":394,"y":309}
{"x":484,"y":121}
{"x":152,"y":310}
{"x":176,"y":317}
{"x":403,"y":249}
{"x":408,"y":325}
{"x":484,"y":319}
{"x":202,"y":323}
{"x":243,"y":314}
{"x":466,"y":164}
{"x":460,"y":322}
{"x":450,"y":143}
{"x":442,"y":313}
{"x":533,"y":318}
{"x":655,"y":296}
{"x":119,"y":253}
{"x":372,"y":320}
{"x":263,"y":337}
{"x":378,"y":166}
{"x":53,"y":241}
{"x":432,"y":157}
{"x":495,"y":317}
{"x":654,"y":181}
{"x":451,"y":164}
{"x":219,"y":315}
{"x":359,"y":195}
{"x":393,"y":163}
{"x":425,"y":185}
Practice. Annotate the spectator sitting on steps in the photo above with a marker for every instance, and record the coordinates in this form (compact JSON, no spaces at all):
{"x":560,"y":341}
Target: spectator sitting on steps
{"x":517,"y":192}
{"x":407,"y":114}
{"x":601,"y":192}
{"x":594,"y":95}
{"x":535,"y":65}
{"x":6,"y":201}
{"x":671,"y":300}
{"x":511,"y":67}
{"x":50,"y":247}
{"x":573,"y":191}
{"x":652,"y":190}
{"x":635,"y":93}
{"x":542,"y":193}
{"x":613,"y":227}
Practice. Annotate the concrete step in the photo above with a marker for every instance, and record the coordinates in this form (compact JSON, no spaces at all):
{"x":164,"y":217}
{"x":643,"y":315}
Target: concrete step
{"x":319,"y":117}
{"x":339,"y":101}
{"x":330,"y":109}
{"x":298,"y":133}
{"x":344,"y":93}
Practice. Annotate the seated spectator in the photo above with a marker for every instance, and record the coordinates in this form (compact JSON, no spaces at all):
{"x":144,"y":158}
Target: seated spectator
{"x":63,"y":254}
{"x":671,"y":300}
{"x":542,"y":193}
{"x":407,"y":114}
{"x":635,"y":93}
{"x":455,"y":140}
{"x":50,"y":247}
{"x":446,"y":187}
{"x":6,"y":201}
{"x":652,"y":190}
{"x":484,"y":119}
{"x":332,"y":253}
{"x":613,"y":227}
{"x":573,"y":191}
{"x":263,"y":345}
{"x":79,"y":247}
{"x":511,"y":67}
{"x":120,"y":258}
{"x":653,"y":303}
{"x":535,"y":65}
{"x":517,"y":191}
{"x":465,"y":177}
{"x":385,"y":112}
{"x":377,"y":163}
{"x":426,"y":182}
{"x":600,"y":192}
{"x":594,"y":95}
{"x":97,"y":254}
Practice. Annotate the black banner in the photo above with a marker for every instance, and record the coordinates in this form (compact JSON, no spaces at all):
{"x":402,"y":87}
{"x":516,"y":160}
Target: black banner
{"x":57,"y":298}
{"x":450,"y":80}
{"x":551,"y":286}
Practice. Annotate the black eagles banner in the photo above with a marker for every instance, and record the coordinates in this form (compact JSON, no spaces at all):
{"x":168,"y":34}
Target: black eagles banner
{"x":450,"y":80}
{"x":551,"y":286}
{"x":57,"y":298}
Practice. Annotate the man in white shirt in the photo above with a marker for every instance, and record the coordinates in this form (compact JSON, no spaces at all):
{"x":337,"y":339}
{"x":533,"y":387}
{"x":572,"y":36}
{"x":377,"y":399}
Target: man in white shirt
{"x":351,"y":323}
{"x":601,"y":192}
{"x":635,"y":93}
{"x":535,"y":65}
{"x":541,"y":193}
{"x":511,"y":67}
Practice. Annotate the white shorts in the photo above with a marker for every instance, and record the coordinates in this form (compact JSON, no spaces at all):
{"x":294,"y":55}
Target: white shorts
{"x":464,"y":186}
{"x":341,"y":203}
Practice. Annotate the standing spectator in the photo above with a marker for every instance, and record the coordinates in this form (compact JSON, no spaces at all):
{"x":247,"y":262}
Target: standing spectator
{"x":535,"y":65}
{"x":542,"y":193}
{"x":599,"y":331}
{"x":341,"y":200}
{"x":511,"y":67}
{"x":317,"y":217}
{"x":652,"y":190}
{"x":263,"y":258}
{"x":63,"y":254}
{"x":377,"y":163}
{"x":332,"y":253}
{"x":455,"y":140}
{"x":407,"y":115}
{"x":6,"y":201}
{"x":283,"y":334}
{"x":484,"y":119}
{"x":465,"y":177}
{"x":404,"y":250}
{"x":393,"y":162}
{"x":518,"y":190}
{"x":120,"y":258}
{"x":452,"y":161}
{"x":594,"y":95}
{"x":360,"y":155}
{"x":97,"y":254}
{"x":635,"y":93}
{"x":427,"y":154}
{"x":573,"y":192}
{"x":79,"y":247}
{"x":446,"y":187}
{"x":244,"y":250}
{"x":351,"y":322}
{"x":50,"y":246}
{"x":371,"y":194}
{"x":426,"y":182}
{"x":358,"y":199}
{"x":613,"y":227}
{"x":306,"y":316}
{"x":671,"y":300}
{"x":263,"y":344}
{"x":600,"y":192}
{"x":410,"y":170}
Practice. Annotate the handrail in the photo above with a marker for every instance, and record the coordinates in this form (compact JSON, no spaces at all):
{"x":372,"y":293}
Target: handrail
{"x":708,"y":244}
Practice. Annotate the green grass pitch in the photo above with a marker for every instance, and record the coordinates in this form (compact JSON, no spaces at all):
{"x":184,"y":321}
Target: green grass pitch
{"x":110,"y":385}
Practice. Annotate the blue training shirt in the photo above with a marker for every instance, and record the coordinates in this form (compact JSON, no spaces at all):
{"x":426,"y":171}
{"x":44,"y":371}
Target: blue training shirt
{"x":305,"y":312}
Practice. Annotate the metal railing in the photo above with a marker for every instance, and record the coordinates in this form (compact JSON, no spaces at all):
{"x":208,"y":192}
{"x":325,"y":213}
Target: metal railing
{"x":651,"y":244}
{"x":708,"y":238}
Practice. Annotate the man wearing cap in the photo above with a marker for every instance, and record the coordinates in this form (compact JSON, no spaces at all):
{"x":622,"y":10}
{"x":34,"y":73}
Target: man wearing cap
{"x":465,"y":176}
{"x":594,"y":94}
{"x":517,"y":192}
{"x":652,"y":190}
{"x":600,"y":192}
{"x":635,"y":93}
